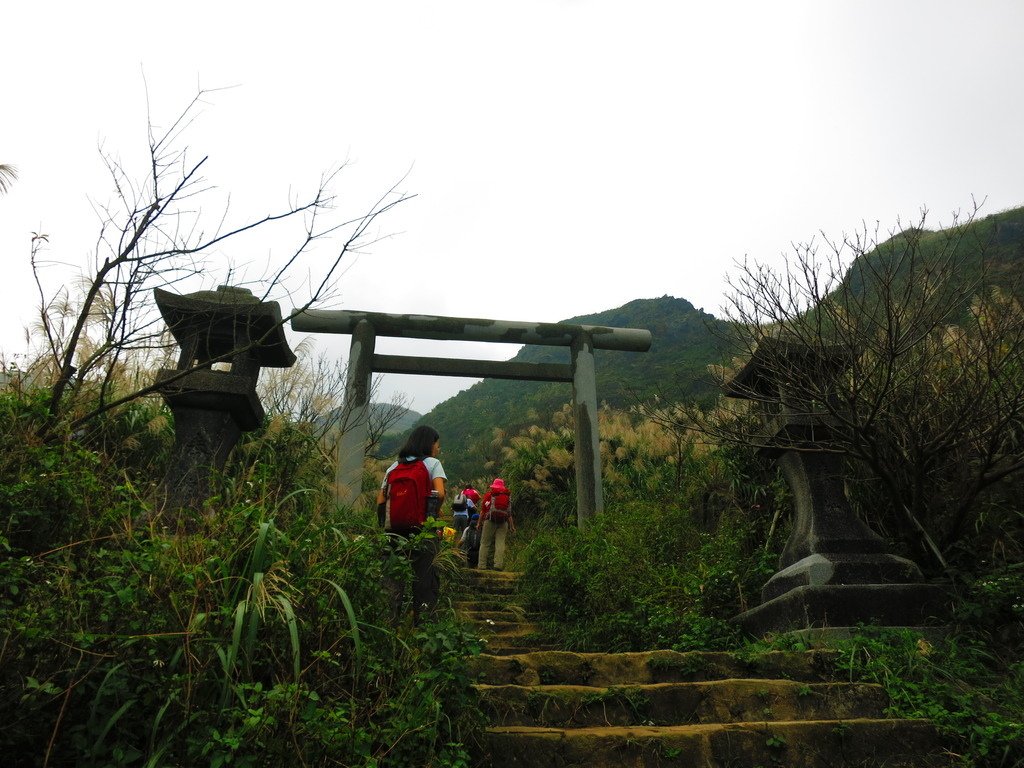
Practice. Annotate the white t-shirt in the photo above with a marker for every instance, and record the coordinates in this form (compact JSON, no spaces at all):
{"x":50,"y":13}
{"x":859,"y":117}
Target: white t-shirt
{"x":433,"y":466}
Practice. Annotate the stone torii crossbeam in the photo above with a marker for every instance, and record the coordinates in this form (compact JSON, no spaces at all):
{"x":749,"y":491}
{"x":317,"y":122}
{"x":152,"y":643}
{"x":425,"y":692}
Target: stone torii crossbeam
{"x":582,"y":340}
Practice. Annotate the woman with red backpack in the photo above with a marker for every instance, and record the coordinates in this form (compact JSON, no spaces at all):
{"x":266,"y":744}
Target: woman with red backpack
{"x":496,"y":517}
{"x":412,"y":491}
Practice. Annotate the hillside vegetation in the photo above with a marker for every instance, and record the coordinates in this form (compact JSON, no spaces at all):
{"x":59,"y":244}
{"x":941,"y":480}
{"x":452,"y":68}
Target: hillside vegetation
{"x":685,"y":340}
{"x":989,"y":249}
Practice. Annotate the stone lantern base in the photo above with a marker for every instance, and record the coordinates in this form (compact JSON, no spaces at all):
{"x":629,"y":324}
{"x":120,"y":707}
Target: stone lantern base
{"x":842,"y":607}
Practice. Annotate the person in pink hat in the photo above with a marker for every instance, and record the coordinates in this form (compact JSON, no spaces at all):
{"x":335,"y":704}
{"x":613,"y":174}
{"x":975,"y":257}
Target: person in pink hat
{"x":496,"y":517}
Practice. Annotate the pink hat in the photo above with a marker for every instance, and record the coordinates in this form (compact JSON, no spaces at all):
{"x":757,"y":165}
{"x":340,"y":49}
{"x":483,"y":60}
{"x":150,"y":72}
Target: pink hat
{"x":499,"y":485}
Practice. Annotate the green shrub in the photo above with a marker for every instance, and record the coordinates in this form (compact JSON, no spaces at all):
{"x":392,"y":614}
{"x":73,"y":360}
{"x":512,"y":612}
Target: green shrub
{"x":48,"y":487}
{"x":257,"y":639}
{"x":680,"y":549}
{"x":630,"y":581}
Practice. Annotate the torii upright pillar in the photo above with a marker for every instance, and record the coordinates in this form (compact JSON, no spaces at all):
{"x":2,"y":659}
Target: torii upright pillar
{"x":355,"y":420}
{"x":589,"y":492}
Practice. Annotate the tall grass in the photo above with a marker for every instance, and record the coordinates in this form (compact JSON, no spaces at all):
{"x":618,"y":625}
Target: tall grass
{"x":255,"y":640}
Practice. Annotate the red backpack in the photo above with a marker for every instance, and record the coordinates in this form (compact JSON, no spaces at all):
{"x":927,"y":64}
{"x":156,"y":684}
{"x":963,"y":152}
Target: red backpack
{"x":407,"y":493}
{"x":501,"y":508}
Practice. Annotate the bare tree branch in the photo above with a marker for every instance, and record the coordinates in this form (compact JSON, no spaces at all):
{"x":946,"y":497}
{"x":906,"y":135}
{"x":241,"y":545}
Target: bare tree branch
{"x":153,"y":236}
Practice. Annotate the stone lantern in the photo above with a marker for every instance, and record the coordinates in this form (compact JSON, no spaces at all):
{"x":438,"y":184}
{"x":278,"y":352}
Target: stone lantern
{"x":835,"y":573}
{"x":214,"y":402}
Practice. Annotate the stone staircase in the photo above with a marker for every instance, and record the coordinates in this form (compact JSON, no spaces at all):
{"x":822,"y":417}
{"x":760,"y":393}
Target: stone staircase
{"x":558,"y":709}
{"x":491,"y":604}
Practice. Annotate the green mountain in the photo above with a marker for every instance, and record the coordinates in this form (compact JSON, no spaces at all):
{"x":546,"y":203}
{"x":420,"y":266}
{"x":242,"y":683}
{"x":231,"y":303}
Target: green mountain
{"x":684,"y":342}
{"x":987,"y":251}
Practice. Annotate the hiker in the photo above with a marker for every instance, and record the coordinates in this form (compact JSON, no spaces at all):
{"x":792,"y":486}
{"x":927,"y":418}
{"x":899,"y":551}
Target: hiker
{"x":469,"y":544}
{"x":462,"y":508}
{"x":473,"y":495}
{"x":404,"y":502}
{"x":496,"y":516}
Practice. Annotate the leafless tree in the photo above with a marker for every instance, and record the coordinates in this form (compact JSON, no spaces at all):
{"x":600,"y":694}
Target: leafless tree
{"x":911,"y":355}
{"x":156,"y":234}
{"x":312,"y":392}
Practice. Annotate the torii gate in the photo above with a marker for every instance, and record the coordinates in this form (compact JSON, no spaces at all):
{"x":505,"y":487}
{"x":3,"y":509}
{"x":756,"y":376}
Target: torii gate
{"x":582,"y":340}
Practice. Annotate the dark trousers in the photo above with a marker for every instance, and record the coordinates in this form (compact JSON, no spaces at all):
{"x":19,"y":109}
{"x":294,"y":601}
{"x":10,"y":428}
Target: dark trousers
{"x":426,"y":584}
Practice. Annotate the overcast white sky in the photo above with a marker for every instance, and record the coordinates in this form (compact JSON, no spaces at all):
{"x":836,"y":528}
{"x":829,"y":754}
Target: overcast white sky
{"x":566,"y":157}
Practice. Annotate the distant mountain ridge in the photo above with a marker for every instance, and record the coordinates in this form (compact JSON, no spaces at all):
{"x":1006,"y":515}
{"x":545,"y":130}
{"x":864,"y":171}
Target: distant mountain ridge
{"x":402,"y":424}
{"x":996,"y":240}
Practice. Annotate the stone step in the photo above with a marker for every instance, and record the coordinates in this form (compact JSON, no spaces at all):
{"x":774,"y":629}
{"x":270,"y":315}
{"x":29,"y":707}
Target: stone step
{"x":494,"y":614}
{"x":493,"y":617}
{"x":500,"y":649}
{"x":492,"y":627}
{"x":491,"y":582}
{"x":510,"y":636}
{"x":552,"y":667}
{"x":490,"y":574}
{"x":485,"y":603}
{"x":513,"y":644}
{"x":664,"y":704}
{"x":559,"y":709}
{"x":476,"y":576}
{"x":870,"y":742}
{"x":498,"y":589}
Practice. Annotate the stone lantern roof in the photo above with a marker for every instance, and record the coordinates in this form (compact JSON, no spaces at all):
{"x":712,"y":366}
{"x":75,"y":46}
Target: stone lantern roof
{"x":217,"y":322}
{"x":775,"y":376}
{"x":759,"y":379}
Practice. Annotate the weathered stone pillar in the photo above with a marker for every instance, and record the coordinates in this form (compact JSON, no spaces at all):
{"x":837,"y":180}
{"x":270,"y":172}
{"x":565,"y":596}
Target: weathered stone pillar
{"x":213,"y":407}
{"x":355,"y":414}
{"x":589,"y":493}
{"x":834,"y":572}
